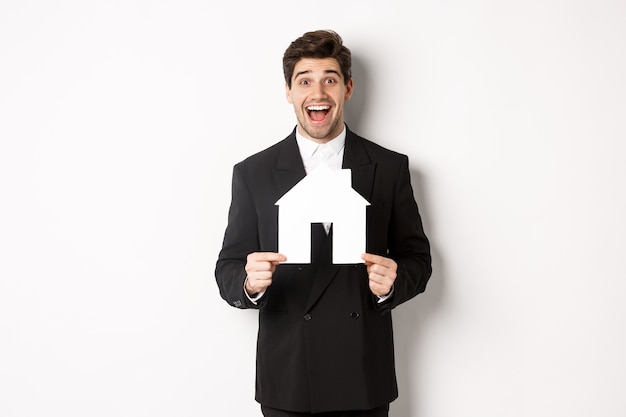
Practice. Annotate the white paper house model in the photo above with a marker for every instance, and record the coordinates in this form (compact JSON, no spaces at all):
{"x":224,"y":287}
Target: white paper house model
{"x":324,"y":196}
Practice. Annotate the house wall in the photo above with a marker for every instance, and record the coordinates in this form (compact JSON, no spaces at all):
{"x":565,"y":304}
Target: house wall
{"x":119,"y":126}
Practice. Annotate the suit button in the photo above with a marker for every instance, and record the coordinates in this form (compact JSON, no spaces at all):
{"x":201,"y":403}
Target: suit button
{"x":300,"y":267}
{"x":307,"y":317}
{"x":355,"y":315}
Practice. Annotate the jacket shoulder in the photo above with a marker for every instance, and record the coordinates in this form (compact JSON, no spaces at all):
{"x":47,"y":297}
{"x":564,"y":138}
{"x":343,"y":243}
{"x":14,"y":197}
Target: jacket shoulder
{"x":378,"y":152}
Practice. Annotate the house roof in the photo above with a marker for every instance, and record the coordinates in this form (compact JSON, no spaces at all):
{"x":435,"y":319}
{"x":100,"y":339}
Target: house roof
{"x":324,"y":187}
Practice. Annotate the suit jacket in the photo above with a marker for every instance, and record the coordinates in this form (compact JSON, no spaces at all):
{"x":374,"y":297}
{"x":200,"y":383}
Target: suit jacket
{"x":324,"y":342}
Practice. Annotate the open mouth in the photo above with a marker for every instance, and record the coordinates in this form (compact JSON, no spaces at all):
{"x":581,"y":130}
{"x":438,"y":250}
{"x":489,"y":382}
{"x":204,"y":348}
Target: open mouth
{"x":318,"y":113}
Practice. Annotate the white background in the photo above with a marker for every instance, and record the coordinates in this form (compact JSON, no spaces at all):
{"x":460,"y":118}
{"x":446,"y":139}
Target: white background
{"x":119,"y":125}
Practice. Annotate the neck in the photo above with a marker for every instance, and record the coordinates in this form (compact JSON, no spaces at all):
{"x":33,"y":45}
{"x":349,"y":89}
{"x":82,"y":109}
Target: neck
{"x":302,"y":133}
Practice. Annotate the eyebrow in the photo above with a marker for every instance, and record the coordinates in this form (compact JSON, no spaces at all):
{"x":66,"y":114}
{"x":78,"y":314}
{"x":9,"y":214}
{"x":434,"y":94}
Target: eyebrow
{"x":329,"y":71}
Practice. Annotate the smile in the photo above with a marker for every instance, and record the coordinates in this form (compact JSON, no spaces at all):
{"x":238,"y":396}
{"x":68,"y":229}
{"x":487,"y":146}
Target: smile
{"x":317,"y":113}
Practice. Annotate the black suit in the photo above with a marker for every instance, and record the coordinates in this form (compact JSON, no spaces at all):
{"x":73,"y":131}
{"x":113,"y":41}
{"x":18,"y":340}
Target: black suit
{"x":324,"y":342}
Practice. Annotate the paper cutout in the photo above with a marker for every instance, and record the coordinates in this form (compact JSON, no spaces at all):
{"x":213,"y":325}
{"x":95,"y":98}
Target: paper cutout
{"x":323,"y":196}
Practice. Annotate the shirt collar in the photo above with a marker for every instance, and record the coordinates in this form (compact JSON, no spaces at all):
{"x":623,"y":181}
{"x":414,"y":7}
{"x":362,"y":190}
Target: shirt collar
{"x":308,"y":147}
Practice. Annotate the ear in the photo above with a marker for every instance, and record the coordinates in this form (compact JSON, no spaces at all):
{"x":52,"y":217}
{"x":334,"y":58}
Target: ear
{"x":349,"y":89}
{"x":288,"y":93}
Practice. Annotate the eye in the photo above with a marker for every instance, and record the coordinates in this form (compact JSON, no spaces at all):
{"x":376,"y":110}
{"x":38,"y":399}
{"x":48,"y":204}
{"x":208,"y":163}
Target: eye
{"x":330,"y":81}
{"x":304,"y":82}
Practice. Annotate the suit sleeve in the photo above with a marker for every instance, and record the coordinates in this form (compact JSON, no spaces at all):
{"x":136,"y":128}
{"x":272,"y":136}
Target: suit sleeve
{"x":240,"y":239}
{"x":407,"y":242}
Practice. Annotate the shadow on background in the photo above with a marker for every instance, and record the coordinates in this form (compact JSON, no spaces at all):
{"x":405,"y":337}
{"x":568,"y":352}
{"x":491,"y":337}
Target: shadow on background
{"x":409,"y":319}
{"x":356,"y":109}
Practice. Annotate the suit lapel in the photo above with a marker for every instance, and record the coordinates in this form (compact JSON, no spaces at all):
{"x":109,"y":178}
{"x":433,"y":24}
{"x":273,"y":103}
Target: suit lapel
{"x":289,"y":168}
{"x":356,"y":159}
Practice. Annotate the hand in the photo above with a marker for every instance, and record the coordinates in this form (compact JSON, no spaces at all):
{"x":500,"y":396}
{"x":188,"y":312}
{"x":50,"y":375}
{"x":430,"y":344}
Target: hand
{"x":260,"y":267}
{"x":381,"y":273}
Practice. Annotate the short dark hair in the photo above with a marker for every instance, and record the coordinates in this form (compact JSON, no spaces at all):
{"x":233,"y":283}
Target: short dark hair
{"x":317,"y":44}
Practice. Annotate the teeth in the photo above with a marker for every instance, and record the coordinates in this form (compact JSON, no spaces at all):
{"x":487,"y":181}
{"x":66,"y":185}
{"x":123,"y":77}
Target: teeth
{"x":318,"y":108}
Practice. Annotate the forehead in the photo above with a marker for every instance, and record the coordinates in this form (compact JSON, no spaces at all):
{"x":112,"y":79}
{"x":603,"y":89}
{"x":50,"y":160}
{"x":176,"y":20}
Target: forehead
{"x":316,"y":66}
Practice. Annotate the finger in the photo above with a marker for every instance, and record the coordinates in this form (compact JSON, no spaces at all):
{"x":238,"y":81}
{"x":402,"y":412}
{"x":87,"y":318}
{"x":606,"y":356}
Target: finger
{"x":380,"y":272}
{"x":267,"y":256}
{"x":377,"y":259}
{"x":260,"y":266}
{"x":379,"y":289}
{"x":379,"y":279}
{"x":254,"y":286}
{"x":386,"y":277}
{"x":260,"y":275}
{"x":377,"y":269}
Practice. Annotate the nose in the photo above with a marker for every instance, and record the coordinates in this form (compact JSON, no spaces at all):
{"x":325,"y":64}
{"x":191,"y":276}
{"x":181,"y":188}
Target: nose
{"x":318,"y":90}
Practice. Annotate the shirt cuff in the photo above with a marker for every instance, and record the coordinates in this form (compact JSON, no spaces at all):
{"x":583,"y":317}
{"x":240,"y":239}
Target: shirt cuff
{"x":256,"y":297}
{"x":385,"y":297}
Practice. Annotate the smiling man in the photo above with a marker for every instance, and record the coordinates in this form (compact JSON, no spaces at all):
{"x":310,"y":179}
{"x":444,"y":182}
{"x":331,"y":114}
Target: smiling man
{"x":325,"y":339}
{"x":318,"y":91}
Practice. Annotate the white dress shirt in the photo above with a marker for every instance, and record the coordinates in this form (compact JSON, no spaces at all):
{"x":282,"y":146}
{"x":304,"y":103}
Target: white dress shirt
{"x":312,"y":152}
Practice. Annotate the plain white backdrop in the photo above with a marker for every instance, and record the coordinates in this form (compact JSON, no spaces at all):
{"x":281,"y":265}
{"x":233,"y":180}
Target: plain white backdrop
{"x":119,"y":125}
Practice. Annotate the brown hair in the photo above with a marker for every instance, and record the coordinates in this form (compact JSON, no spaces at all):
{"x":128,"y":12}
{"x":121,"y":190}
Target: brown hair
{"x":317,"y":44}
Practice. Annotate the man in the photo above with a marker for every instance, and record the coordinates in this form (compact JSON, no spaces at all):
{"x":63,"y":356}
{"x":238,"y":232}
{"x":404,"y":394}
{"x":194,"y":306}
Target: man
{"x":325,"y":342}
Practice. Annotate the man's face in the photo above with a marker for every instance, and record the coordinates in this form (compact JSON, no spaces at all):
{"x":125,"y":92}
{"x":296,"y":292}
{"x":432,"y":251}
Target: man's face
{"x":318,"y":92}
